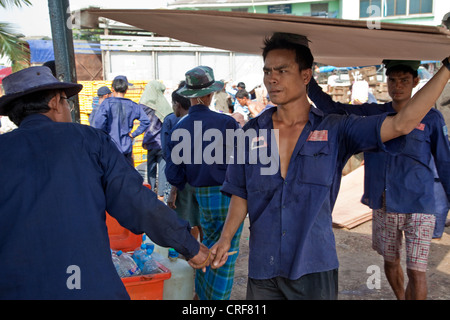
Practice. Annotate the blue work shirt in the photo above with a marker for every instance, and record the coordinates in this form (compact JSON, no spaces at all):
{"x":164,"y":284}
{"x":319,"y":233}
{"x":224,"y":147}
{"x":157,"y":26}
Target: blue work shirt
{"x":406,"y":174}
{"x":290,"y":219}
{"x":200,"y":145}
{"x":116,"y":117}
{"x":152,"y":135}
{"x":166,"y":130}
{"x":56,"y":181}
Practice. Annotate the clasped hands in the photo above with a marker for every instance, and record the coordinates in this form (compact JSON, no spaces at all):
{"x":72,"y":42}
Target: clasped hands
{"x":214,"y":257}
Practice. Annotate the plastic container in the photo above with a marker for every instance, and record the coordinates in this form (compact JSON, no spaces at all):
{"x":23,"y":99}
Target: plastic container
{"x":121,"y":238}
{"x":142,"y":287}
{"x":149,"y":286}
{"x":181,"y":284}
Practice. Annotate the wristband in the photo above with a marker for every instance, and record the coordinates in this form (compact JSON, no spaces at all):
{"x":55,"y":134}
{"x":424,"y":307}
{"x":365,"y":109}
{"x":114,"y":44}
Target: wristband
{"x":446,"y":63}
{"x":206,"y":261}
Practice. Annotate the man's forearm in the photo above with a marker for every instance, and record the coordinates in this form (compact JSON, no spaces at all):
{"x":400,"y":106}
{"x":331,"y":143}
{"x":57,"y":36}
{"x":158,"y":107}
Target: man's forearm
{"x":410,"y":116}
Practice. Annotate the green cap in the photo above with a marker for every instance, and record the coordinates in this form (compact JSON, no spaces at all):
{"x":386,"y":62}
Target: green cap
{"x":200,"y":82}
{"x":413,"y":64}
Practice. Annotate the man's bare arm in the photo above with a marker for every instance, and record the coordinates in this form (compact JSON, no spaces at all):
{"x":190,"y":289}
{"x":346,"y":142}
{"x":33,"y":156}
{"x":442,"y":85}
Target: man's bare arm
{"x":236,"y":215}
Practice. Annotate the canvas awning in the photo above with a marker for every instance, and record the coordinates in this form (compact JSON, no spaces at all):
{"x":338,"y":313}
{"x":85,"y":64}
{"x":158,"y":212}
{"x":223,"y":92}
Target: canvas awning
{"x":336,"y":42}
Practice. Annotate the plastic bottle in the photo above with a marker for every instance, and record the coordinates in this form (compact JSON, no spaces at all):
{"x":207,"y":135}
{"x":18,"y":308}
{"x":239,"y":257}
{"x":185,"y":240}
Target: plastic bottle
{"x":138,"y":254}
{"x":159,"y":252}
{"x":149,"y":265}
{"x":180,"y":286}
{"x":128,"y":267}
{"x":116,"y":261}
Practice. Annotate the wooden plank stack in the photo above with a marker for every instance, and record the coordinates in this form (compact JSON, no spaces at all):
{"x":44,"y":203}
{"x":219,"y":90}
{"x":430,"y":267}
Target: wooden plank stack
{"x":348,"y":211}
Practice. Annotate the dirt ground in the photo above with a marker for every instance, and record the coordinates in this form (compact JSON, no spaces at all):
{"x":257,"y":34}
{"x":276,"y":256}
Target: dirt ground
{"x":354,"y":248}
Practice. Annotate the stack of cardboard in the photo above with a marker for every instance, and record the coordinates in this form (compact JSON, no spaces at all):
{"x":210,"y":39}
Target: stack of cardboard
{"x":368,"y":74}
{"x":340,"y":93}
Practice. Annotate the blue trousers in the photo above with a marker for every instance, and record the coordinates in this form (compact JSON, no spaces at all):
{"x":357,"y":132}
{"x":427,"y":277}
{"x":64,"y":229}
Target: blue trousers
{"x":156,"y":163}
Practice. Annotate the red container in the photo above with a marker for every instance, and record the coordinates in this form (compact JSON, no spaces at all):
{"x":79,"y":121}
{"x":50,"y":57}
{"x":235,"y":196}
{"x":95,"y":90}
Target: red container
{"x":143,"y":287}
{"x":147,"y":286}
{"x":121,"y":238}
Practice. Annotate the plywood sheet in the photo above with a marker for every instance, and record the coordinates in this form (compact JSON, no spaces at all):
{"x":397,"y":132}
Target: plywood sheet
{"x":348,"y":211}
{"x":335,"y":42}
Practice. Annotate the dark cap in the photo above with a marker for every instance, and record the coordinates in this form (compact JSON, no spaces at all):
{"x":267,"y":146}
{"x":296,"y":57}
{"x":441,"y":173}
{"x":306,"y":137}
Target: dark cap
{"x":102,"y":91}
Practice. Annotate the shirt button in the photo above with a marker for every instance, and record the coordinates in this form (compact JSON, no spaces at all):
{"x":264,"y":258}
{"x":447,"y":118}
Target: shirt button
{"x":284,"y":233}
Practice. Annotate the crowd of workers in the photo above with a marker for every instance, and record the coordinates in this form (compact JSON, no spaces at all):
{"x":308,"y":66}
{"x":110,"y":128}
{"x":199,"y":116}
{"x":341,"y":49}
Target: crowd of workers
{"x":282,"y":168}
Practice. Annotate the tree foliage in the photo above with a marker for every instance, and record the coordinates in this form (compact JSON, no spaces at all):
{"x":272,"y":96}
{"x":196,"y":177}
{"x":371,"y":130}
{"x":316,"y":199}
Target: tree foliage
{"x":11,"y":45}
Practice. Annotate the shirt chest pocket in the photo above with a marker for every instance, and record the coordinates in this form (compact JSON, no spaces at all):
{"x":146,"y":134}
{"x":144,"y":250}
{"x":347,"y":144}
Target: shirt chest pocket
{"x":315,"y":164}
{"x":416,"y":144}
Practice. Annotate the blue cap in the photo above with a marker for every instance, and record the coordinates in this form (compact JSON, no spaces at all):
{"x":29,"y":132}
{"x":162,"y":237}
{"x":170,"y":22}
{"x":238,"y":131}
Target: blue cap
{"x":102,"y":91}
{"x":173,"y":253}
{"x":124,"y":78}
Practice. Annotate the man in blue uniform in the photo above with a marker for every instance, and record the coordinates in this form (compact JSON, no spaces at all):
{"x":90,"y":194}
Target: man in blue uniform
{"x":116,"y":116}
{"x":200,"y":159}
{"x":292,"y":246}
{"x":57,"y":178}
{"x":400,"y":187}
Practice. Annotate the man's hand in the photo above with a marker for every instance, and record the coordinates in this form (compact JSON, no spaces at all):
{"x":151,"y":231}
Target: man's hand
{"x":219,"y":252}
{"x":202,"y":259}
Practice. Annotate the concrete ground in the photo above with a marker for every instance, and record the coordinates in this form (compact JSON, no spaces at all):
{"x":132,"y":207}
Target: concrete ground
{"x":359,"y":264}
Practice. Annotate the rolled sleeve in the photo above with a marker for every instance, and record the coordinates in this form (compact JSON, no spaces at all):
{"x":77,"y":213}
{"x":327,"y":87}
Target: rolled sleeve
{"x":363,"y":134}
{"x":235,"y":182}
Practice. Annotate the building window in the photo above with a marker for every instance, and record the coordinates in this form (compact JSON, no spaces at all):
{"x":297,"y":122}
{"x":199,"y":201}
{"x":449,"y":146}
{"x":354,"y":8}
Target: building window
{"x":420,"y":6}
{"x":366,"y":8}
{"x":319,"y":9}
{"x":395,"y":8}
{"x":388,"y":8}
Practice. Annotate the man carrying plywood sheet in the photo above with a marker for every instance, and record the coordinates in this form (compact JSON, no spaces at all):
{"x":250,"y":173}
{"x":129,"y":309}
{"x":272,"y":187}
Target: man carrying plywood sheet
{"x":399,"y":185}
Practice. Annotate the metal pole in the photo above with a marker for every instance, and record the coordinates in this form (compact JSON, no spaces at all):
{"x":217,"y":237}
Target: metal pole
{"x":61,"y":24}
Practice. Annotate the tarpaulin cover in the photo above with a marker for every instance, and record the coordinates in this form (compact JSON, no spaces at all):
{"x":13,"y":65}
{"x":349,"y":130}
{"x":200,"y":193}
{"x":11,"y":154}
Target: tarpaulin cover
{"x":41,"y":51}
{"x":335,"y":42}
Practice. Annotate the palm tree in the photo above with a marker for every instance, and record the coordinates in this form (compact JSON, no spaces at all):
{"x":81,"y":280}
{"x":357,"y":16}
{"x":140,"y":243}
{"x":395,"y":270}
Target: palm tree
{"x":10,"y":44}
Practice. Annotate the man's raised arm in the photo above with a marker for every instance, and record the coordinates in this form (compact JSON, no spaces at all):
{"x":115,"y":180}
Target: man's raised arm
{"x":410,"y":116}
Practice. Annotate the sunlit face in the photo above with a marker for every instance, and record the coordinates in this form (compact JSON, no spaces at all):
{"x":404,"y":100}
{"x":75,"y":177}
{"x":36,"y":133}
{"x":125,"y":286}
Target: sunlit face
{"x":400,"y":85}
{"x":284,"y":81}
{"x":242,"y":101}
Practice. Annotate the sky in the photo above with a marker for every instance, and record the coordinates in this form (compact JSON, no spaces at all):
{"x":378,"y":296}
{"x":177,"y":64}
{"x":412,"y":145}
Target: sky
{"x":34,"y":20}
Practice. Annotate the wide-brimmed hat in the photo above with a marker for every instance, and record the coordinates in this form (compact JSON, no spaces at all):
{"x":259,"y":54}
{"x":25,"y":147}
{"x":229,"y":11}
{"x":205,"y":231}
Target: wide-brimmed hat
{"x":32,"y":80}
{"x":200,"y":82}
